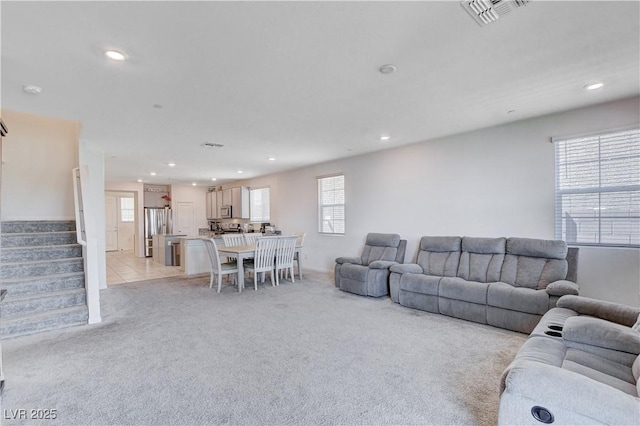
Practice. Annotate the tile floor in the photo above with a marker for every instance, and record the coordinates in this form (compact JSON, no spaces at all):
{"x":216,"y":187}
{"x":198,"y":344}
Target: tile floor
{"x":125,"y":266}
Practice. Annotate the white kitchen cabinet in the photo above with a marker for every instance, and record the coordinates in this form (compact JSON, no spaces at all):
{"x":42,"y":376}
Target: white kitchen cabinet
{"x":226,"y":197}
{"x":213,"y":203}
{"x":240,"y":202}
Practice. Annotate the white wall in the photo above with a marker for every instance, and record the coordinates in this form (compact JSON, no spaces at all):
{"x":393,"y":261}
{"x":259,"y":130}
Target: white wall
{"x":494,"y":182}
{"x":38,"y":155}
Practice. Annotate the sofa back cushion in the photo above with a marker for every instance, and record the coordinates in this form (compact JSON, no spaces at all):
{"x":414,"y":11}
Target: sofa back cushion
{"x":380,"y":247}
{"x":439,"y":255}
{"x":534,"y":263}
{"x":481,"y":259}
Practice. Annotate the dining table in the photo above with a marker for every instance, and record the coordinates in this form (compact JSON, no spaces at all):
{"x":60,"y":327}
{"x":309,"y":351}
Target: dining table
{"x":248,"y":251}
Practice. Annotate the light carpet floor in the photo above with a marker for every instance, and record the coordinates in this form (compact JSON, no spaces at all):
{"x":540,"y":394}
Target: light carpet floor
{"x":174,"y":352}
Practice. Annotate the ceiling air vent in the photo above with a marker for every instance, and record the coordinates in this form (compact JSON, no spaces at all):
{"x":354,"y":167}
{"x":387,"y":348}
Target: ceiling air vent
{"x":212,"y":145}
{"x":485,"y":12}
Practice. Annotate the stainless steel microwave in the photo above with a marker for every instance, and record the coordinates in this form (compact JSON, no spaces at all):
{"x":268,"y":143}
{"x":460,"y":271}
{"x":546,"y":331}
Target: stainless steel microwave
{"x":225,"y":212}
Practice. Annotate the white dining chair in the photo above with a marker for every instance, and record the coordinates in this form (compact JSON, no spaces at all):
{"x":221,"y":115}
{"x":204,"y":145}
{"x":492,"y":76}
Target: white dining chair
{"x":218,"y":269}
{"x":251,"y":237}
{"x":263,"y":260}
{"x":298,"y":255}
{"x":284,"y":257}
{"x":231,"y":240}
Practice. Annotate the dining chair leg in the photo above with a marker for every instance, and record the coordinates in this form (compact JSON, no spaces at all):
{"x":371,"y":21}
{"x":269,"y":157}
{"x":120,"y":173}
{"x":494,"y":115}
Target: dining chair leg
{"x":219,"y":282}
{"x":255,"y":281}
{"x":211,"y":281}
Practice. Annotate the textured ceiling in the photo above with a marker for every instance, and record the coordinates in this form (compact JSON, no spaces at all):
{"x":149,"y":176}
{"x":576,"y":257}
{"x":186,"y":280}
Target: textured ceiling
{"x":299,"y":81}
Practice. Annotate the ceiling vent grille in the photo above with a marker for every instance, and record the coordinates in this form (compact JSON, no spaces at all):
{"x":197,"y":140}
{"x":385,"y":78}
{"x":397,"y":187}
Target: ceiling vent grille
{"x":485,"y":12}
{"x":212,"y":145}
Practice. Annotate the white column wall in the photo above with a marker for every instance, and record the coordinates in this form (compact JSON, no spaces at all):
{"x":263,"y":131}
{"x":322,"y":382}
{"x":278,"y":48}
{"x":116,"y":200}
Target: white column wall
{"x":493,"y":182}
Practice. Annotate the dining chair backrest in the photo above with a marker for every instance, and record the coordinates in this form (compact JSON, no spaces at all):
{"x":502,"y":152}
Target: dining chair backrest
{"x":251,"y":237}
{"x":286,"y":249}
{"x":214,"y":257}
{"x":265,"y":253}
{"x":300,"y":238}
{"x":231,"y":240}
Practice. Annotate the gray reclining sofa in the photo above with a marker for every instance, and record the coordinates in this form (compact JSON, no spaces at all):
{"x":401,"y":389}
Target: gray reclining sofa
{"x":580,"y":365}
{"x":368,"y":275}
{"x":504,"y":282}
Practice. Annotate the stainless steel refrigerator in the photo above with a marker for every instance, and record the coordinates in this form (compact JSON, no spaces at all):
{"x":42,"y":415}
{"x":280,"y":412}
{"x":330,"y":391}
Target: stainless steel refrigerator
{"x":157,"y":220}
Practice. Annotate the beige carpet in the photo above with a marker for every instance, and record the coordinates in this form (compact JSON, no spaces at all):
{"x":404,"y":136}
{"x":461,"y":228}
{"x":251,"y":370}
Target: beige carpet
{"x":171,"y":351}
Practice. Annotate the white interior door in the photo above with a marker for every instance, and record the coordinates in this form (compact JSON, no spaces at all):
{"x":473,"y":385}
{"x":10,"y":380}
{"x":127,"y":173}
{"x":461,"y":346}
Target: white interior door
{"x":185,"y":218}
{"x":126,"y":222}
{"x":111,"y":222}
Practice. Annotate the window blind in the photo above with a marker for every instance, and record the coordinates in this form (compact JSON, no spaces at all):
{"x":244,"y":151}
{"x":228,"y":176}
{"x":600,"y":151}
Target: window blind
{"x":331,"y":217}
{"x":598,"y":189}
{"x":259,"y":205}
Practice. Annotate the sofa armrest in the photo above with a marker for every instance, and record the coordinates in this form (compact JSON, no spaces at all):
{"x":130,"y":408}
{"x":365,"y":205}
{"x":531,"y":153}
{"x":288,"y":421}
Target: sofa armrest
{"x":562,"y":287}
{"x":610,"y":311}
{"x":382,"y":264}
{"x":601,"y":333}
{"x":562,"y":390}
{"x":407,"y":268}
{"x":354,"y":260}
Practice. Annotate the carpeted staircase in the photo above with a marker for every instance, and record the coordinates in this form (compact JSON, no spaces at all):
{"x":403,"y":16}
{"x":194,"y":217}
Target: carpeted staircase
{"x":43,"y":272}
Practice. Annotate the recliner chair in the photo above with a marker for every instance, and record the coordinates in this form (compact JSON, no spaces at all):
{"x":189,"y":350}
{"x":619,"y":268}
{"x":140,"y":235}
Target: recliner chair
{"x":368,"y":275}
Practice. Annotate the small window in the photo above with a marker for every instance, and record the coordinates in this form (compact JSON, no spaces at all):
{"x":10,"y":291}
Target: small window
{"x":331,"y":217}
{"x":259,"y":205}
{"x":598,"y":189}
{"x":127,"y":210}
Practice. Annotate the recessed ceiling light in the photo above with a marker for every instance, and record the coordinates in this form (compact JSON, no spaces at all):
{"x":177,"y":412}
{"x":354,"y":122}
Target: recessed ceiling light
{"x":271,"y":158}
{"x":172,"y":164}
{"x":240,"y":171}
{"x":139,"y":180}
{"x":594,"y":86}
{"x":115,"y":55}
{"x":214,"y":179}
{"x":194,"y":184}
{"x":385,"y":138}
{"x":32,"y":90}
{"x":152,"y":173}
{"x":387,"y":69}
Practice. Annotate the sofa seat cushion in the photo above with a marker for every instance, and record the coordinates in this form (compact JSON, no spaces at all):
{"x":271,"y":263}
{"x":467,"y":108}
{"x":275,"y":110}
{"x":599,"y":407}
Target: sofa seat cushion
{"x":354,"y":272}
{"x":420,"y":283}
{"x":466,"y":291}
{"x":597,"y":368}
{"x":520,"y":299}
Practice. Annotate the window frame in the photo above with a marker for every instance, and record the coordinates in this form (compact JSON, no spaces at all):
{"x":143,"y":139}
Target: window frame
{"x":319,"y":181}
{"x":122,"y":209}
{"x":599,"y":190}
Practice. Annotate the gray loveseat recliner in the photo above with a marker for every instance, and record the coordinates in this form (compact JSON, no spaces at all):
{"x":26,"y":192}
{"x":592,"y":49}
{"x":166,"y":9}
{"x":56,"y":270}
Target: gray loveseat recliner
{"x":368,"y":275}
{"x":580,"y":365}
{"x":505,"y":282}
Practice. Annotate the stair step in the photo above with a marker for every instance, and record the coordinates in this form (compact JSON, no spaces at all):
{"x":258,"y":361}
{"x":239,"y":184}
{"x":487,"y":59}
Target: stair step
{"x":42,"y":284}
{"x":21,"y":326}
{"x":38,"y":239}
{"x":21,"y":226}
{"x":40,"y":303}
{"x":42,"y":267}
{"x":21,"y":254}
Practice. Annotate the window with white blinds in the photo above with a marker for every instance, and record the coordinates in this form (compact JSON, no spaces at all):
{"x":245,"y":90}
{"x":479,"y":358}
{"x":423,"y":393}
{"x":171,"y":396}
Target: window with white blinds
{"x":598,"y":189}
{"x":331,"y":218}
{"x":259,"y":205}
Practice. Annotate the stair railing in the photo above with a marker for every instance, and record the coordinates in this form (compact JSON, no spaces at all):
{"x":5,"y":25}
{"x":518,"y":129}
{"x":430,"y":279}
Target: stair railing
{"x":86,"y":235}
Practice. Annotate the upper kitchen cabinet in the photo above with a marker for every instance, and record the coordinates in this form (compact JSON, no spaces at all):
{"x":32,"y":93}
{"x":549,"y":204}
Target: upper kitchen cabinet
{"x":213,"y":203}
{"x":240,"y":202}
{"x":237,"y":198}
{"x":153,"y":196}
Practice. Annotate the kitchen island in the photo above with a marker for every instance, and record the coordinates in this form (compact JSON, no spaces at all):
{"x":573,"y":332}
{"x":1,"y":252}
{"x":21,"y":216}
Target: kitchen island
{"x":194,"y":256}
